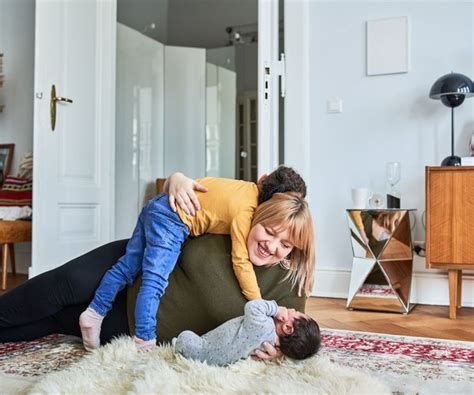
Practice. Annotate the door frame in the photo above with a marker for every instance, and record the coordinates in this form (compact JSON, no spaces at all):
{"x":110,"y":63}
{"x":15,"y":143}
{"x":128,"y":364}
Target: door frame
{"x":268,"y":85}
{"x":297,"y":96}
{"x":297,"y":99}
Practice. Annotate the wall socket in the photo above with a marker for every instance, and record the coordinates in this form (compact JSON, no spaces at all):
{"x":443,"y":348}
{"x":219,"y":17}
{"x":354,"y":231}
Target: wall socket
{"x":334,"y":106}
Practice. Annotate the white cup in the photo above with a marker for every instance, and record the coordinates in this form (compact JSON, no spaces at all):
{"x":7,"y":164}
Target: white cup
{"x":360,"y":197}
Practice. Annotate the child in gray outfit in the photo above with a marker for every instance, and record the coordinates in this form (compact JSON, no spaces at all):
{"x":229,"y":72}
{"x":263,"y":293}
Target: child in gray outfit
{"x":294,"y":333}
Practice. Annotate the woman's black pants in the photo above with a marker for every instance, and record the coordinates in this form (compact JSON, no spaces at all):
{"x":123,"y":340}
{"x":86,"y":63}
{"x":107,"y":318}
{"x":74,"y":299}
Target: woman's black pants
{"x":52,"y":302}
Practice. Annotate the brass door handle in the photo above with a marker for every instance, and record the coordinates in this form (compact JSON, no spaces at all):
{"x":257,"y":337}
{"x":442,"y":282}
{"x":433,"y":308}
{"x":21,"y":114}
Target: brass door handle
{"x":60,"y":98}
{"x":52,"y":106}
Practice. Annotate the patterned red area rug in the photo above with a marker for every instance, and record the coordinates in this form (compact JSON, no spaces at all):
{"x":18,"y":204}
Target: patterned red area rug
{"x":407,"y":364}
{"x":36,"y":358}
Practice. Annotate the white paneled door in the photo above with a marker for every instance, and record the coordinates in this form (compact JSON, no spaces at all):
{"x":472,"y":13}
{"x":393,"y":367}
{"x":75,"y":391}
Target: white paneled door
{"x":74,"y":163}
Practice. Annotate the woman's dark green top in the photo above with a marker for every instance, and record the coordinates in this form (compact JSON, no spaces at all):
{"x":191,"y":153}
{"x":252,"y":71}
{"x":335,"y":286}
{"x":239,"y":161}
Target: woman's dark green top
{"x":203,"y":291}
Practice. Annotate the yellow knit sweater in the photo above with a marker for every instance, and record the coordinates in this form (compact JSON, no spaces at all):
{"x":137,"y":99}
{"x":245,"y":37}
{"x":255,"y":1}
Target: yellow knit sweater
{"x":228,"y":208}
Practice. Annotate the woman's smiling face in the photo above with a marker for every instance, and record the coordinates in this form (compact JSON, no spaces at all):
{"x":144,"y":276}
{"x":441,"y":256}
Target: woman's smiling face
{"x":267,"y":246}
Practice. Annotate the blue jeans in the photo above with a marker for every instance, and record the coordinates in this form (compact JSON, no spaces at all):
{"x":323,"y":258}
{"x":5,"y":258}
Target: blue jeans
{"x":153,"y":250}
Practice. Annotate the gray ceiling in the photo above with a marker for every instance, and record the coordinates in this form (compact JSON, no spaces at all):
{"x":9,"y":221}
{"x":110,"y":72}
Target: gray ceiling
{"x":191,"y":23}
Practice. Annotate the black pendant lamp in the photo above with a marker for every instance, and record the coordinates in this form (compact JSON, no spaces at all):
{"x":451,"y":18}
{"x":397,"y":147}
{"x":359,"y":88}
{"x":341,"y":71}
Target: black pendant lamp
{"x":452,"y":89}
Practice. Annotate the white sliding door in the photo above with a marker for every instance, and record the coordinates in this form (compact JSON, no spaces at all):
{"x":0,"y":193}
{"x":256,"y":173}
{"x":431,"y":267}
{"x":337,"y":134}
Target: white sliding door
{"x":139,"y":119}
{"x":73,"y":172}
{"x":185,"y":111}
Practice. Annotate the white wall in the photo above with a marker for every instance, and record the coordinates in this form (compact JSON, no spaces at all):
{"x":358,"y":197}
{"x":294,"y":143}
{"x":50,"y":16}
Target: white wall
{"x":222,"y":57}
{"x":384,"y":118}
{"x":17,"y":26}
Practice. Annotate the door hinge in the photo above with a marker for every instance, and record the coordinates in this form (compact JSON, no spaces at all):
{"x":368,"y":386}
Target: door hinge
{"x":281,"y":71}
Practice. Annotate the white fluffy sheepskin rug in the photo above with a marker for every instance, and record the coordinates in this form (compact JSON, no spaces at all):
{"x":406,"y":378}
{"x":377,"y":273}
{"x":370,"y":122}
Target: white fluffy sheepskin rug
{"x":118,"y":368}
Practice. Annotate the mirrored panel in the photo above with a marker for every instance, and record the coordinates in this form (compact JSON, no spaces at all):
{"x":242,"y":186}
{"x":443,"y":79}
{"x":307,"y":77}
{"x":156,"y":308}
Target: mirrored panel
{"x":361,"y":268}
{"x":377,"y":304}
{"x":382,"y":283}
{"x":360,"y":246}
{"x":376,"y":293}
{"x":399,"y":245}
{"x":399,"y":274}
{"x":376,"y":227}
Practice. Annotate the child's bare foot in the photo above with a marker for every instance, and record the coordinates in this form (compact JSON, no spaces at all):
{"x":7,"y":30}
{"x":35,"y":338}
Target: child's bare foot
{"x":90,"y":323}
{"x":144,"y":345}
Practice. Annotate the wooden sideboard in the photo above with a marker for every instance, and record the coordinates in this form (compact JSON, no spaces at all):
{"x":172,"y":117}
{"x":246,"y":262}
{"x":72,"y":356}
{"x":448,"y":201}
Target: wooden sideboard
{"x":450,"y":225}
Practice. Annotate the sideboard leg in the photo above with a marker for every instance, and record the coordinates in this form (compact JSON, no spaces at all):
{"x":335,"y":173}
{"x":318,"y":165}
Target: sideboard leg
{"x":453,"y":292}
{"x":459,"y":294}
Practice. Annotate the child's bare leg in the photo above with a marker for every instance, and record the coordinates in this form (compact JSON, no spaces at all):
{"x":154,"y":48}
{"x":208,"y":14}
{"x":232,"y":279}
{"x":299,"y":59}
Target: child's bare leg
{"x":90,"y":323}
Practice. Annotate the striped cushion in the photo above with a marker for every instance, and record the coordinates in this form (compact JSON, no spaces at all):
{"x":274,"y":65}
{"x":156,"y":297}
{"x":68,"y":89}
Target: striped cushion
{"x":16,"y":191}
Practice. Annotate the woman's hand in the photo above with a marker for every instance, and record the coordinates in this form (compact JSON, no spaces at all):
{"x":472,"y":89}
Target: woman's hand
{"x":266,"y":353}
{"x":181,"y":190}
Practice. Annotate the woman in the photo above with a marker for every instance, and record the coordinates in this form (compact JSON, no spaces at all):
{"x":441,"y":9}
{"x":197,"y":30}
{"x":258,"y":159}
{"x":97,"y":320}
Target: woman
{"x":52,"y":302}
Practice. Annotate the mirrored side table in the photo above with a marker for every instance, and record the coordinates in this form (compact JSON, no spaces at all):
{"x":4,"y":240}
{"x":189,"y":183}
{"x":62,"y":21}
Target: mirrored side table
{"x":382,"y":264}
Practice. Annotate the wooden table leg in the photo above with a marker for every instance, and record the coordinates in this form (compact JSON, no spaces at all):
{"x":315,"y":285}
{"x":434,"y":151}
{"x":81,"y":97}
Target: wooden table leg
{"x":459,"y":288}
{"x":453,"y":292}
{"x":12,"y":257}
{"x":4,"y":267}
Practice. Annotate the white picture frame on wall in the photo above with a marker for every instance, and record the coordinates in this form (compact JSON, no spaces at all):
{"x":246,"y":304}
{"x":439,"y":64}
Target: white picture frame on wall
{"x":388,"y":46}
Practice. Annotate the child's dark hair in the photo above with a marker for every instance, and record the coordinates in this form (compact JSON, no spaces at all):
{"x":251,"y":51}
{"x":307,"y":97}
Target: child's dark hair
{"x":283,"y":179}
{"x":305,"y":340}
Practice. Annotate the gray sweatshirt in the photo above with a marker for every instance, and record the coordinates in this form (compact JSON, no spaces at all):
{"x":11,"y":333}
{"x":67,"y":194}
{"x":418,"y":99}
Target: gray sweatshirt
{"x":234,"y":339}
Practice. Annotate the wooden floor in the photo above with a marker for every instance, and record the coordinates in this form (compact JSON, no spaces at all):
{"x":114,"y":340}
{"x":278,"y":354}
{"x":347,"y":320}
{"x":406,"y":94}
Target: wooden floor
{"x":423,"y":320}
{"x":13,"y":281}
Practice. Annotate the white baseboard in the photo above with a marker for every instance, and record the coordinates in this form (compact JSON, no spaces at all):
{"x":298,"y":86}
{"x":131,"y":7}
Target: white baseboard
{"x":427,"y":288}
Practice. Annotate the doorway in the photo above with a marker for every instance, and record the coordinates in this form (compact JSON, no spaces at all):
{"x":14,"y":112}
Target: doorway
{"x":187,"y":100}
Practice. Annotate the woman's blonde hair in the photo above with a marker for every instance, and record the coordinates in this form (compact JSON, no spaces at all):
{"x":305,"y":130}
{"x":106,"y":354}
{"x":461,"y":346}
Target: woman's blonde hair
{"x":290,"y":211}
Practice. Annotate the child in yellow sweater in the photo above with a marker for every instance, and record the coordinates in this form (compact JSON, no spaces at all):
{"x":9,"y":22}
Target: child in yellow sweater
{"x":280,"y":227}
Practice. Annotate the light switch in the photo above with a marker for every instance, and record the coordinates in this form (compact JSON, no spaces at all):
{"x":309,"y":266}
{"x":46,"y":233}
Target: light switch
{"x":334,"y":106}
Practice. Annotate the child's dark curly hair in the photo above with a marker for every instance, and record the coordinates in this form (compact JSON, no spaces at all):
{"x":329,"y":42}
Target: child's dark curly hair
{"x":305,"y":340}
{"x":283,"y":179}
